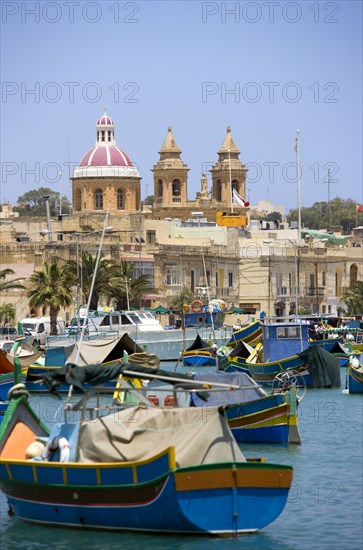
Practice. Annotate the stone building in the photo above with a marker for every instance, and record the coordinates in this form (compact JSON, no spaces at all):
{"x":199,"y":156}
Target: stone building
{"x":106,"y":177}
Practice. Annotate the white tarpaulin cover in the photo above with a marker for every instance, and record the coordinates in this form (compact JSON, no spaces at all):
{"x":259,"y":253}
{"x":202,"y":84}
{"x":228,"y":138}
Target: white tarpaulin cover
{"x":199,"y":435}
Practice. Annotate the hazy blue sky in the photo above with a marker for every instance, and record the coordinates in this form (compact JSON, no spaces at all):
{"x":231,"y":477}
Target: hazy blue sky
{"x":264,"y":68}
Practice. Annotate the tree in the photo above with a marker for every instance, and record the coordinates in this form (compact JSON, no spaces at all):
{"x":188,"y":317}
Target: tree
{"x":338,"y":211}
{"x":353,"y":298}
{"x":7,"y":314}
{"x":149,"y":200}
{"x":186,"y":296}
{"x":51,"y":289}
{"x":9,"y":285}
{"x":33,"y":203}
{"x":124,"y":289}
{"x":105,"y":272}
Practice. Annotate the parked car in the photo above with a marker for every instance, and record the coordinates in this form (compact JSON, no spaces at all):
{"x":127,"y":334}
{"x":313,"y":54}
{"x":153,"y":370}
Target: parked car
{"x":6,"y":345}
{"x":8,"y":331}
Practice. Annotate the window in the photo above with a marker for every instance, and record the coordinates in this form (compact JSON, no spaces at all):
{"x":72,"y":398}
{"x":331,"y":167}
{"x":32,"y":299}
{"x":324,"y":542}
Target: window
{"x":218,"y":190}
{"x":290,"y":284}
{"x":217,"y":279}
{"x":176,"y":188}
{"x":151,"y":237}
{"x":288,"y":332}
{"x":323,"y":278}
{"x":235,"y":186}
{"x":103,"y":135}
{"x":208,"y":277}
{"x":173,"y":276}
{"x":120,"y":200}
{"x":98,"y":199}
{"x":353,"y":275}
{"x":230,"y":279}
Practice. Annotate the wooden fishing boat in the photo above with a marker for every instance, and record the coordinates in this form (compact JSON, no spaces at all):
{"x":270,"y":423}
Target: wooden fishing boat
{"x":241,"y":354}
{"x":250,"y":333}
{"x":355,"y":376}
{"x":253,"y":415}
{"x":141,"y":469}
{"x":200,"y":354}
{"x":265,"y":373}
{"x":314,"y":367}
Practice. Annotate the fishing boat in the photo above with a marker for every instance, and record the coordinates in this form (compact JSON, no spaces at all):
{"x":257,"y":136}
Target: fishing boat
{"x":241,"y":354}
{"x":253,"y":415}
{"x":200,"y":354}
{"x":314,"y":367}
{"x":143,"y":327}
{"x":143,"y":469}
{"x":250,"y":333}
{"x":355,"y":376}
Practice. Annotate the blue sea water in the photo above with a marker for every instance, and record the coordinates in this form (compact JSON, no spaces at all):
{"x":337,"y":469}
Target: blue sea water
{"x":324,"y":509}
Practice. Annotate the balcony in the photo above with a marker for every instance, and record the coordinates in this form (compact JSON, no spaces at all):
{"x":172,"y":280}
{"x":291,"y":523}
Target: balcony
{"x":315,"y":291}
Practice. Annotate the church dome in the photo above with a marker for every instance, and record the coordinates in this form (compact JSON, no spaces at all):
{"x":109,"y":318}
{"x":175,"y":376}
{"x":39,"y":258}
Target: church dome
{"x":105,"y":121}
{"x":105,"y":159}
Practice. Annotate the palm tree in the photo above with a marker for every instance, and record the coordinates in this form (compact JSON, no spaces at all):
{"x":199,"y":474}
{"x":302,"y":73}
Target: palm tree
{"x":353,"y":298}
{"x":51,"y":289}
{"x":7,"y":314}
{"x":124,"y":289}
{"x":106,"y":270}
{"x":9,"y":285}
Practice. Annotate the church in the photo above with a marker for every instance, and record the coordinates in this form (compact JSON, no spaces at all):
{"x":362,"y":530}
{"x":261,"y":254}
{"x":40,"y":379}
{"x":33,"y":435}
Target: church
{"x":107,"y":178}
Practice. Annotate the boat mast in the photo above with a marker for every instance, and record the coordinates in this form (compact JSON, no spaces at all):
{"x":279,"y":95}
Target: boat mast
{"x":208,"y":295}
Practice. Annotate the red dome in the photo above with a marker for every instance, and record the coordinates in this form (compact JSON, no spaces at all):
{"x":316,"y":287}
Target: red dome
{"x":105,"y":121}
{"x":105,"y":155}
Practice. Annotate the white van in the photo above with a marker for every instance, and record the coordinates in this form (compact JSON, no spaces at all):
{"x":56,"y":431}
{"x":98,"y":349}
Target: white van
{"x":37,"y":329}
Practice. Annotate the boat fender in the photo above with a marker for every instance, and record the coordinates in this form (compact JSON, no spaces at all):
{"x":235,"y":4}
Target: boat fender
{"x":17,"y":390}
{"x":196,"y":306}
{"x":60,"y":443}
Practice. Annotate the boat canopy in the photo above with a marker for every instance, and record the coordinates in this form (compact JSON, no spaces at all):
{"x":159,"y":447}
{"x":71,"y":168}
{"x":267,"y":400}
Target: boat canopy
{"x":101,"y":351}
{"x":251,"y":392}
{"x":323,"y":366}
{"x":199,"y":436}
{"x":199,"y":344}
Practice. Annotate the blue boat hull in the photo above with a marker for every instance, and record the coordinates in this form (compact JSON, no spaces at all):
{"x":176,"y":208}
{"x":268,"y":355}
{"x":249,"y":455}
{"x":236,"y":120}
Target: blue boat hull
{"x":215,"y":508}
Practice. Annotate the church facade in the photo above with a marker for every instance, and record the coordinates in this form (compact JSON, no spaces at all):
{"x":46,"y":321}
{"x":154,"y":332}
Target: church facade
{"x":106,"y":178}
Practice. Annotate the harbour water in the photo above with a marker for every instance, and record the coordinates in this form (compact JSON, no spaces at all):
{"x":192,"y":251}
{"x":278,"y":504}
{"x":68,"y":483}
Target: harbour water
{"x":324,"y":508}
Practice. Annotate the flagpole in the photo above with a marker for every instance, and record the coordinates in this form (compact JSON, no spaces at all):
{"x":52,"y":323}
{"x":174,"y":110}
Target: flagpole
{"x":297,"y":149}
{"x":230,"y":178}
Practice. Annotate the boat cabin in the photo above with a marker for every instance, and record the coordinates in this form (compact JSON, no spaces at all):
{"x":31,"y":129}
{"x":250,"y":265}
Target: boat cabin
{"x":281,"y":340}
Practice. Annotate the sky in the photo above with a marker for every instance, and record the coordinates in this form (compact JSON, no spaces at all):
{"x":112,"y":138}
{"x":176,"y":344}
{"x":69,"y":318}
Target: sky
{"x":266,"y":69}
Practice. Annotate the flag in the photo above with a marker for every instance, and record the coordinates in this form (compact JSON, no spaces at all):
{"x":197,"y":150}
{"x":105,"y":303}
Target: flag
{"x":359,"y":208}
{"x":237,"y":199}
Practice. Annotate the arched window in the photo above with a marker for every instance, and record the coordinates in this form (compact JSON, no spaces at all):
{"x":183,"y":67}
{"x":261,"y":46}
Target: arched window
{"x":235,"y":185}
{"x":353,"y":275}
{"x":159,"y":191}
{"x":98,"y":199}
{"x":176,"y":188}
{"x":120,"y":200}
{"x":218,"y":190}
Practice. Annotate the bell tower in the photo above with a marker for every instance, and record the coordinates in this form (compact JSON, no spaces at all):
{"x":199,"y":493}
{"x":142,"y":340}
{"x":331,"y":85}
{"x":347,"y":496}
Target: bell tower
{"x":228,"y":173}
{"x":170,"y":175}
